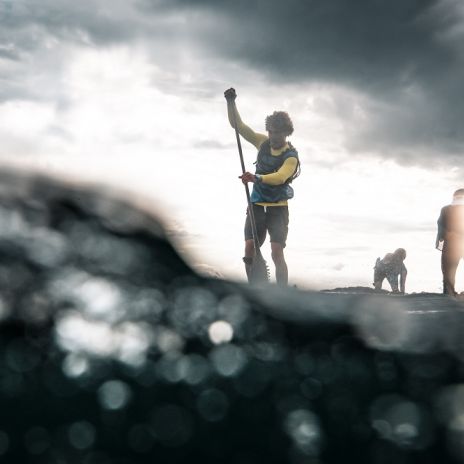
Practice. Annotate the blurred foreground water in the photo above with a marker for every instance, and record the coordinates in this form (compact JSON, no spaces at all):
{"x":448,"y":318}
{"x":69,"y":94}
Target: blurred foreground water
{"x":114,"y":351}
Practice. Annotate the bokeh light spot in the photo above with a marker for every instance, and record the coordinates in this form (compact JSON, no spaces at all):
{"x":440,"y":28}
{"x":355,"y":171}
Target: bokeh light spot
{"x":304,"y":429}
{"x":228,"y":360}
{"x":82,"y":435}
{"x":114,"y":395}
{"x":220,"y":332}
{"x":75,"y":365}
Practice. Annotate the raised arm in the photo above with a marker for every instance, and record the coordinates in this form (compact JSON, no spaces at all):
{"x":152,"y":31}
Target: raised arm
{"x":245,"y":131}
{"x":403,"y":274}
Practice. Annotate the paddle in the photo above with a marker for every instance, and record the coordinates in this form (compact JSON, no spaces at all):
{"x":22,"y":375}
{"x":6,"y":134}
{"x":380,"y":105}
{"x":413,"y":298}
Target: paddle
{"x":259,"y":272}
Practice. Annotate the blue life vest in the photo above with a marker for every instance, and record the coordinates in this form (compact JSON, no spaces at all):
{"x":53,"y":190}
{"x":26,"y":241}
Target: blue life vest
{"x":266,"y":163}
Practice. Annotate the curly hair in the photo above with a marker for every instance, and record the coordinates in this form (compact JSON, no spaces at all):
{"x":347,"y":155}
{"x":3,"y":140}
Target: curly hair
{"x":279,"y":121}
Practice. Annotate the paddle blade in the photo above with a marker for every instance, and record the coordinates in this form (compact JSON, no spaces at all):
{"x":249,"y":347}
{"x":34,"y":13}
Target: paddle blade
{"x":259,"y":272}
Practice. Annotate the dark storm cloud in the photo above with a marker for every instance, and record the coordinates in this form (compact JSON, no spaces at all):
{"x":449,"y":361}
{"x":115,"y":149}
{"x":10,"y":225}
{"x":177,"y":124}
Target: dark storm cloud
{"x":405,"y":55}
{"x":29,"y":25}
{"x":26,"y":23}
{"x":36,"y":38}
{"x":376,"y":44}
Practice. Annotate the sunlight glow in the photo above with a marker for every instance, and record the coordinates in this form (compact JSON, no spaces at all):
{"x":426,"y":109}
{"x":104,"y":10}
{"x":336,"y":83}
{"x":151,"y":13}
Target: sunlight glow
{"x":123,"y":113}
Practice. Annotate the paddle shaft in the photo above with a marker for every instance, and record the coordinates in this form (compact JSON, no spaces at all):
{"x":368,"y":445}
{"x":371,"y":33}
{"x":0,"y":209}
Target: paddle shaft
{"x":250,"y":205}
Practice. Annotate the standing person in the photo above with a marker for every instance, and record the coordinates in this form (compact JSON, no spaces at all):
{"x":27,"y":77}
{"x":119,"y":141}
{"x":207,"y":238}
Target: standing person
{"x":391,"y":267}
{"x":451,"y":234}
{"x":276,"y":166}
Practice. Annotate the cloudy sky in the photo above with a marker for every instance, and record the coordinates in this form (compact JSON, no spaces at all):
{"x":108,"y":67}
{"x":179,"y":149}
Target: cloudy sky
{"x":129,"y":93}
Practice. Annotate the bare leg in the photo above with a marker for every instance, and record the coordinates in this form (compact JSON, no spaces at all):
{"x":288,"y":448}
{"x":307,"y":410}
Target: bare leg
{"x":280,"y":264}
{"x":449,"y":265}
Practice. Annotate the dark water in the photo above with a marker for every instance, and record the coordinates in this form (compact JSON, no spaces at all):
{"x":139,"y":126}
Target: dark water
{"x":114,"y":351}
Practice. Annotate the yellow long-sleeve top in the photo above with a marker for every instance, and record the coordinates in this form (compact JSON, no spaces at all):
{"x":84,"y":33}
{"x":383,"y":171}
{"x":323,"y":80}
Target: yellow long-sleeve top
{"x":255,"y":138}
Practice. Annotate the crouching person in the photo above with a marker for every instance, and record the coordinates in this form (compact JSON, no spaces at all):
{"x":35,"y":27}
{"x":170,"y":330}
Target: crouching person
{"x":393,"y":269}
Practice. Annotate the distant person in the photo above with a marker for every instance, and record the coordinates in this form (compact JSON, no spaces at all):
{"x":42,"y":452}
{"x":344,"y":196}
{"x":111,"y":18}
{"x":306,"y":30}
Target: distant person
{"x":450,"y":240}
{"x":391,"y":267}
{"x":276,"y":166}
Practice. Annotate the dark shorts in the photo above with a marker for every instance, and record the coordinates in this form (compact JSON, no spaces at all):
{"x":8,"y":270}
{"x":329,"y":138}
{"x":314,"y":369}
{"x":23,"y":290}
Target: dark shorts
{"x":272,"y":219}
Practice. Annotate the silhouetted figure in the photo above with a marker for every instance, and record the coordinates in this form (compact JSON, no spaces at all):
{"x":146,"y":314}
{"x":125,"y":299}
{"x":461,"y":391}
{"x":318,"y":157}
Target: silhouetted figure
{"x":276,"y":166}
{"x":450,"y":240}
{"x":391,"y":267}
